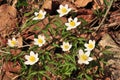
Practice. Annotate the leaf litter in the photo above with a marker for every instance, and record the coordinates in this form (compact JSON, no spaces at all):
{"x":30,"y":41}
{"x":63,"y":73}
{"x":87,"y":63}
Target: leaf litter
{"x":8,"y":24}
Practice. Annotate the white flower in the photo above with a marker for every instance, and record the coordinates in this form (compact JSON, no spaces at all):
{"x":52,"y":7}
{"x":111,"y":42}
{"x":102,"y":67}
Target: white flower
{"x":72,"y":23}
{"x":66,"y":46}
{"x":90,"y":46}
{"x":40,"y":15}
{"x":31,"y":59}
{"x":13,"y":42}
{"x":83,"y":58}
{"x":40,"y":41}
{"x":63,"y":10}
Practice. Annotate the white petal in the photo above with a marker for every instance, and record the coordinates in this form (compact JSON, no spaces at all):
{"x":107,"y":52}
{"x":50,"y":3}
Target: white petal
{"x":66,"y":5}
{"x":90,"y":59}
{"x":90,"y":41}
{"x":27,"y":62}
{"x":88,"y":53}
{"x":75,"y":19}
{"x":27,"y":57}
{"x":61,"y":15}
{"x":67,"y":24}
{"x":64,"y":43}
{"x":78,"y":23}
{"x":40,"y":11}
{"x":70,"y":19}
{"x":81,"y":52}
{"x":31,"y":63}
{"x":58,"y":11}
{"x":39,"y":36}
{"x":86,"y":62}
{"x":40,"y":45}
{"x":80,"y":61}
{"x":69,"y":28}
{"x":93,"y":42}
{"x":36,"y":55}
{"x":32,"y":53}
{"x":61,"y":6}
{"x":70,"y":46}
{"x":44,"y":13}
{"x":36,"y":13}
{"x":69,"y":10}
{"x":13,"y":39}
{"x":35,"y":39}
{"x":35,"y":18}
{"x":86,"y":45}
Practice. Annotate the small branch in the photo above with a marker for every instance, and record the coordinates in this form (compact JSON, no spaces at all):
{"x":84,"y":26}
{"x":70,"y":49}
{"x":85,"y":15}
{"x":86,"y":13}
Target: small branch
{"x":105,"y":15}
{"x":4,"y":52}
{"x":14,"y":3}
{"x":107,"y":25}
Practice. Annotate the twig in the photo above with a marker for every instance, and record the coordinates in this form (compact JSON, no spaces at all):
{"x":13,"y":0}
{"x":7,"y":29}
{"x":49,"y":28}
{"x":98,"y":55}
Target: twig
{"x":107,"y":25}
{"x":4,"y":52}
{"x":105,"y":15}
{"x":14,"y":3}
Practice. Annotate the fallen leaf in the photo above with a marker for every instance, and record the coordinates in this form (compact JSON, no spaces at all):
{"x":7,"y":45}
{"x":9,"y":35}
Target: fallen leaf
{"x":47,"y":5}
{"x":71,"y":5}
{"x":81,"y":3}
{"x":8,"y":20}
{"x":86,"y":14}
{"x":20,"y":41}
{"x":108,"y":41}
{"x":98,"y":4}
{"x":11,"y":67}
{"x":15,"y":52}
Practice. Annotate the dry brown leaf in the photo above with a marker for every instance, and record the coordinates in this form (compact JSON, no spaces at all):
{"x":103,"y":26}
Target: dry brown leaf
{"x":82,"y":3}
{"x":11,"y":67}
{"x":108,"y":41}
{"x":98,"y":4}
{"x":71,"y":5}
{"x":8,"y":19}
{"x":86,"y":14}
{"x":15,"y":51}
{"x":47,"y":5}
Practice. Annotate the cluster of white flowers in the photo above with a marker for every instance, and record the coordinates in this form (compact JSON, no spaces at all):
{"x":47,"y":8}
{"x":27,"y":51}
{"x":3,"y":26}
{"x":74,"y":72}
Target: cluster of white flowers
{"x":83,"y":57}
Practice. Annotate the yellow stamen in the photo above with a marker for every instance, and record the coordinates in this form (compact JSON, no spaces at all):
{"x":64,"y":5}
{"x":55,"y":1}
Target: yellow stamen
{"x":66,"y":46}
{"x":40,"y":41}
{"x":83,"y":57}
{"x":32,"y":58}
{"x":63,"y":10}
{"x":40,"y":15}
{"x":90,"y":45}
{"x":72,"y":23}
{"x":13,"y":42}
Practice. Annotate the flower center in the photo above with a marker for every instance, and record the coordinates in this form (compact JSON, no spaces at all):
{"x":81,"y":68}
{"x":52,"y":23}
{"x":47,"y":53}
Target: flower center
{"x":13,"y":42}
{"x":66,"y":46}
{"x":72,"y":23}
{"x":40,"y":41}
{"x":32,"y":58}
{"x":63,"y":10}
{"x":84,"y":57}
{"x":40,"y":15}
{"x":90,"y":45}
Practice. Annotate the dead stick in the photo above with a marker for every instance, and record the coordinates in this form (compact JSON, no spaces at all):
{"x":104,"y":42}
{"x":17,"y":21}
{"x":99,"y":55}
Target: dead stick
{"x":105,"y":16}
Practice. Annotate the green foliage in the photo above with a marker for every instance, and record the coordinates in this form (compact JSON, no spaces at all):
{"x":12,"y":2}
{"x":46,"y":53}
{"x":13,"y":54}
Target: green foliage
{"x":52,"y":61}
{"x":21,"y":3}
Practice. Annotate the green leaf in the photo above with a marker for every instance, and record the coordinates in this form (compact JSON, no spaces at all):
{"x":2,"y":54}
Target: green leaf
{"x":107,"y":3}
{"x":21,"y":3}
{"x":88,"y":77}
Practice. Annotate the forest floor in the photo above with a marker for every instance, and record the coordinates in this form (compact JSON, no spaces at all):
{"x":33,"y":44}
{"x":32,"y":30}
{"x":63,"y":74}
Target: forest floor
{"x":100,"y":21}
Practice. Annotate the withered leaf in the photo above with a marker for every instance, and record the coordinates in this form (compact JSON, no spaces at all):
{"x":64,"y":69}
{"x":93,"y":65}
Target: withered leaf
{"x":82,"y":3}
{"x":11,"y":67}
{"x":8,"y":19}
